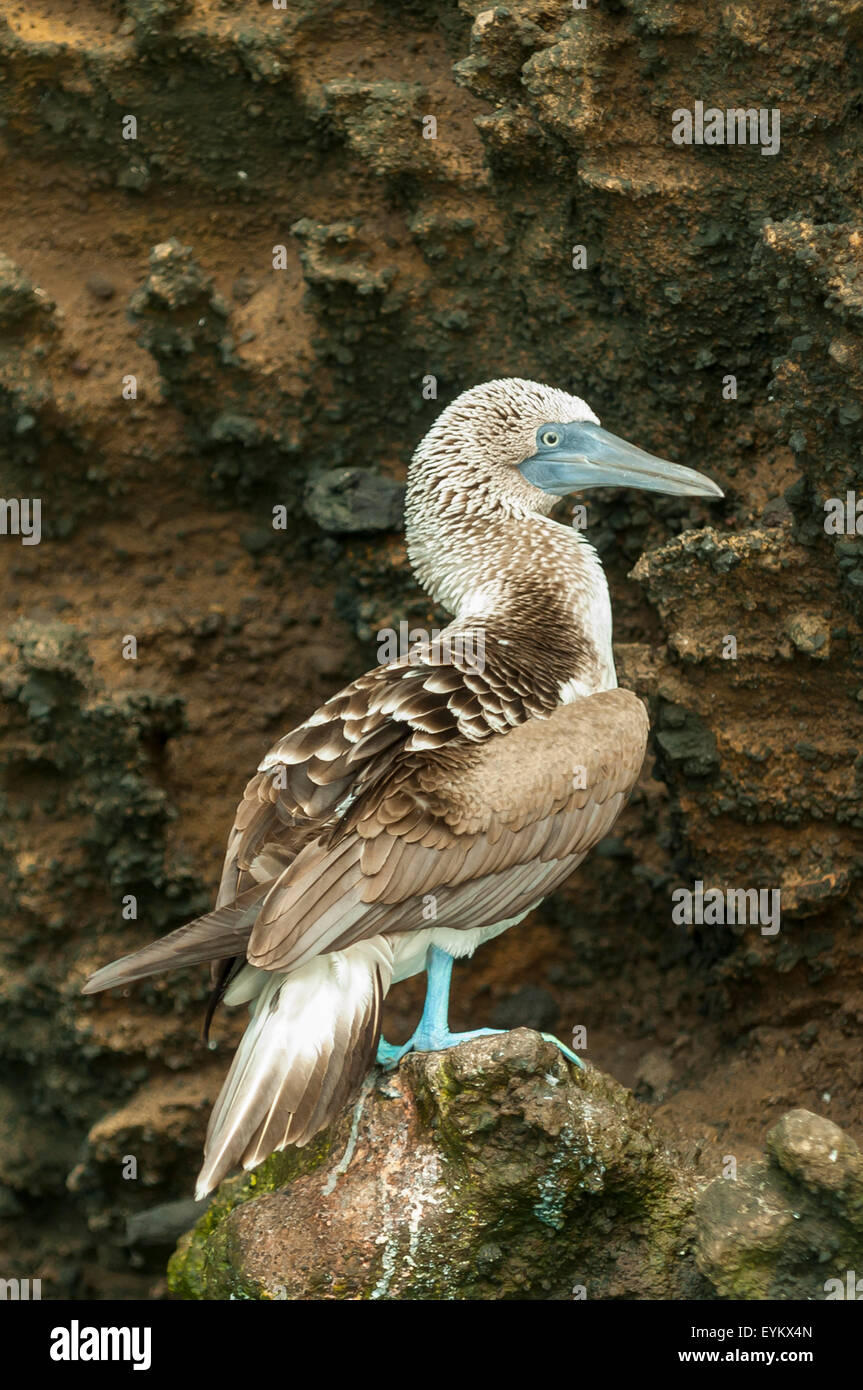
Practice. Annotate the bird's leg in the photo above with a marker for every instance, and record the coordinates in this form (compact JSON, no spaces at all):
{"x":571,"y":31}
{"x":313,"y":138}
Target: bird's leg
{"x":432,"y":1032}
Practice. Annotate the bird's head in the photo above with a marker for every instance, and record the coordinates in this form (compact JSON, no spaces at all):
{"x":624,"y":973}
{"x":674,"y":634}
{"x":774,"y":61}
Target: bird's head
{"x":525,"y":445}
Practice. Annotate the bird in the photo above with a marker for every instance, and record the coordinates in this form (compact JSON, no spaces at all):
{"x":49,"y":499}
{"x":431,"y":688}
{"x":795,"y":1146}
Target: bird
{"x":432,"y":803}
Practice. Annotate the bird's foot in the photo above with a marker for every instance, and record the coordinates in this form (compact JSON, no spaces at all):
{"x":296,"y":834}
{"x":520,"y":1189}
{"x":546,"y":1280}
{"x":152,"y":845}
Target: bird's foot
{"x":567,"y":1051}
{"x":438,"y":1040}
{"x":390,"y":1054}
{"x":428,"y":1040}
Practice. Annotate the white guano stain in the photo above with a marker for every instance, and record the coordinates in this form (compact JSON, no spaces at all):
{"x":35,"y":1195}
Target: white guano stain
{"x":344,"y":1162}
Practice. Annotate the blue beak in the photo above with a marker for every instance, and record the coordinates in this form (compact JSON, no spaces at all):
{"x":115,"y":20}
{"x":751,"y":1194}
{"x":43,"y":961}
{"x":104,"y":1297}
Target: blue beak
{"x":588,"y":456}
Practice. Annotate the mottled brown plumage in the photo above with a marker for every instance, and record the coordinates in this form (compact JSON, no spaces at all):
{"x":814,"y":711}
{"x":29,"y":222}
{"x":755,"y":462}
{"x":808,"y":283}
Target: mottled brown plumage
{"x":477,"y":785}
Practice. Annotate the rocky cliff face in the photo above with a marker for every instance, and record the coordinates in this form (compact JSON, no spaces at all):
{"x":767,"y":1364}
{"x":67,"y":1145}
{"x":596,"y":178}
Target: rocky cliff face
{"x":247,"y":255}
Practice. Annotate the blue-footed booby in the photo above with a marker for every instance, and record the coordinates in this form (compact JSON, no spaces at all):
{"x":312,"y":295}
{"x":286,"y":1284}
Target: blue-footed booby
{"x":435,"y":801}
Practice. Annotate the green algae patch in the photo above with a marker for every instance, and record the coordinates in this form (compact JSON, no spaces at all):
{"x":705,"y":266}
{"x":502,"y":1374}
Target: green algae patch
{"x":202,"y":1261}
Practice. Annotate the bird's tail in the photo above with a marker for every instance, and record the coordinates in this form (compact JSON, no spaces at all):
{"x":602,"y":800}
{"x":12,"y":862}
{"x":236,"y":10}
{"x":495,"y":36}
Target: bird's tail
{"x":311,"y":1040}
{"x":215,"y":936}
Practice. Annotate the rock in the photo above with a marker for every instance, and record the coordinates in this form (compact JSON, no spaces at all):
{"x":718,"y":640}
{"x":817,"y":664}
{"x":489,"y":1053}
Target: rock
{"x":163,"y":1224}
{"x":817,"y":1153}
{"x":181,"y":315}
{"x":656,"y":1072}
{"x":175,"y":280}
{"x":776,"y":512}
{"x":355,"y":499}
{"x":148,"y":19}
{"x":810,"y":633}
{"x":230,"y":428}
{"x":19,"y":297}
{"x":243,"y":288}
{"x":687,"y":743}
{"x":257,"y":541}
{"x":336,"y":255}
{"x":785,"y":1227}
{"x":379,"y":122}
{"x":101,"y":286}
{"x":135,"y":177}
{"x":32,"y":1157}
{"x":494,"y":1170}
{"x":500,"y":43}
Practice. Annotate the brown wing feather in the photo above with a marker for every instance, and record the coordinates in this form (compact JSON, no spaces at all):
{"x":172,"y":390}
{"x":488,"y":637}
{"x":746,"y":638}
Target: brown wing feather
{"x":527,"y":787}
{"x":489,"y":828}
{"x":431,"y":699}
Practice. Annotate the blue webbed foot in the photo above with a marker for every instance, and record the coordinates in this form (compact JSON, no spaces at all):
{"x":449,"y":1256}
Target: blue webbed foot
{"x":439,"y":1039}
{"x":425,"y":1040}
{"x":432,"y":1033}
{"x":390,"y":1054}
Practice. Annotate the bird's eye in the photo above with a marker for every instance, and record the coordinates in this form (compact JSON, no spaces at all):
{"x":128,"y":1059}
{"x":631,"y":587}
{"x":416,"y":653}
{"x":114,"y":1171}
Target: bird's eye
{"x":550,"y":438}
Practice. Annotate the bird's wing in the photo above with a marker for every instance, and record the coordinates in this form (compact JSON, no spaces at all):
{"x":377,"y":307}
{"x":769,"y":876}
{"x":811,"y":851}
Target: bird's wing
{"x":487,"y":829}
{"x":422,"y":777}
{"x":437,"y":695}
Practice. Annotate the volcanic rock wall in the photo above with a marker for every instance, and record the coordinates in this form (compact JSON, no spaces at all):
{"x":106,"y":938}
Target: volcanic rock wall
{"x":247,"y":255}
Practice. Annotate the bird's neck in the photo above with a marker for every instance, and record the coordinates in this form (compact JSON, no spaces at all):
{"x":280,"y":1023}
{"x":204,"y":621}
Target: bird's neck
{"x":528,"y":579}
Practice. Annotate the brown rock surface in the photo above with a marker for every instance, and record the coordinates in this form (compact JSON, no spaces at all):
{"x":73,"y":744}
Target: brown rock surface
{"x":494,"y":1170}
{"x":790,"y":1227}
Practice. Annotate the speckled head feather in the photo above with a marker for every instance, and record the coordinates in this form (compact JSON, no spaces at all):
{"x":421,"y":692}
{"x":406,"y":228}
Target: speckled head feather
{"x":468,"y":461}
{"x":505,"y":452}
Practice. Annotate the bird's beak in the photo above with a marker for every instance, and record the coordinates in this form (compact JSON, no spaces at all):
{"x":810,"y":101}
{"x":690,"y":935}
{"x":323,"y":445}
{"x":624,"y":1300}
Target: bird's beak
{"x":589,"y":456}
